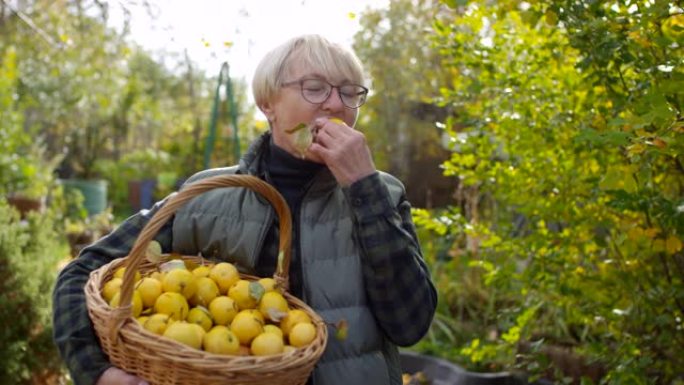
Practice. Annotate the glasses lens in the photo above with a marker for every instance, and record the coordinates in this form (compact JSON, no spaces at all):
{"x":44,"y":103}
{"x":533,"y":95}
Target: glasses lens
{"x":315,"y":91}
{"x":353,"y":95}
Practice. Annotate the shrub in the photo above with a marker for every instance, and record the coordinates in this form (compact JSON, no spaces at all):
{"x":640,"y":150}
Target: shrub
{"x":567,"y":144}
{"x":30,"y":251}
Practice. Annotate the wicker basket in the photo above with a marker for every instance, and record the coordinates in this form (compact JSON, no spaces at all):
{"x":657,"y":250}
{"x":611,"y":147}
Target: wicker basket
{"x":163,"y":361}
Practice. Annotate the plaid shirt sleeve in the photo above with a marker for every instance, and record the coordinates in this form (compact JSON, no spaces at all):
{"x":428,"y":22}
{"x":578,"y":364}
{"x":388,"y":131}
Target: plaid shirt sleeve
{"x":73,"y":331}
{"x":398,"y":283}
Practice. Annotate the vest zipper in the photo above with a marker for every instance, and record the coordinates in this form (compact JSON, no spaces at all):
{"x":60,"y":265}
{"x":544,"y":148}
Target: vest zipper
{"x":298,"y":222}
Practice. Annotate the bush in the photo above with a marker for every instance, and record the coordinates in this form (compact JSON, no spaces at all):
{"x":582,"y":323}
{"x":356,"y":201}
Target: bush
{"x":30,"y":251}
{"x":568,"y":234}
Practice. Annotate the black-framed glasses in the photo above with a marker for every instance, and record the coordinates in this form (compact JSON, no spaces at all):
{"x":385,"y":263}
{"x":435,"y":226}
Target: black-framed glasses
{"x":317,"y":91}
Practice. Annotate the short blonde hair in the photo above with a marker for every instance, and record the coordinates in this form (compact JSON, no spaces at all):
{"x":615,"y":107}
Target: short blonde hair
{"x":331,"y":59}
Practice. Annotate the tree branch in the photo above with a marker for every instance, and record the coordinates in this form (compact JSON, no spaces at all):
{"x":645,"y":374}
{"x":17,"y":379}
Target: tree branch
{"x":32,"y":25}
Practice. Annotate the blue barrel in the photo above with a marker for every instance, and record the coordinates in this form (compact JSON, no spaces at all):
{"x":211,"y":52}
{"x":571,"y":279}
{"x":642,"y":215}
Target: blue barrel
{"x":141,"y":193}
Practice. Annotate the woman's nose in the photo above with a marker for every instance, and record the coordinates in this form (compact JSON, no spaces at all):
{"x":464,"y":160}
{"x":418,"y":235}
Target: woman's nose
{"x":334,"y":101}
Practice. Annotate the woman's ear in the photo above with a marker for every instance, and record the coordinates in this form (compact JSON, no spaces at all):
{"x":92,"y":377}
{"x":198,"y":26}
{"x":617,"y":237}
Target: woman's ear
{"x":268,"y":111}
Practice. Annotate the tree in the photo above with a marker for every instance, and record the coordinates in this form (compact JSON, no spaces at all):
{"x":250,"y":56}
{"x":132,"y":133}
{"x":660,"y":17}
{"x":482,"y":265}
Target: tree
{"x":94,"y":97}
{"x":568,"y":131}
{"x":400,"y":118}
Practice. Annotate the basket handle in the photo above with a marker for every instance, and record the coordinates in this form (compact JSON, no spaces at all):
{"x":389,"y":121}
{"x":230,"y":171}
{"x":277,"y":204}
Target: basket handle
{"x":137,"y":253}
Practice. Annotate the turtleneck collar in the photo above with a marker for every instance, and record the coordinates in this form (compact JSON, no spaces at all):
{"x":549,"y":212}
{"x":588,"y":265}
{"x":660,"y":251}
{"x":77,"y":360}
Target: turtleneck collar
{"x":289,"y":174}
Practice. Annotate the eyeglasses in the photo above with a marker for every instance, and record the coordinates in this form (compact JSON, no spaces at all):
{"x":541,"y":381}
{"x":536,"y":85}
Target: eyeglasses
{"x":317,"y":91}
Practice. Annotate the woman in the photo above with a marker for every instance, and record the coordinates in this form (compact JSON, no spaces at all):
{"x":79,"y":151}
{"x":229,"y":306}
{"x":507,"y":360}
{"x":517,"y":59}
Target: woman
{"x":355,"y":253}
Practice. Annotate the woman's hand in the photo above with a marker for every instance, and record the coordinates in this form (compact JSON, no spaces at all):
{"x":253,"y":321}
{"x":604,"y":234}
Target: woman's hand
{"x":116,"y":376}
{"x":343,"y":149}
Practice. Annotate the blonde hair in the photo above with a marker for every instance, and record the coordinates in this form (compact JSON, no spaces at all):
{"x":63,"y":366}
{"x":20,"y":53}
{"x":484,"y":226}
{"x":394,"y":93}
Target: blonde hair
{"x":331,"y":59}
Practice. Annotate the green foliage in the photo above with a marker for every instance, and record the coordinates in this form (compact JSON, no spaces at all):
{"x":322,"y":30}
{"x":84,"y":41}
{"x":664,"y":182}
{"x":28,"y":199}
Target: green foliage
{"x":93,"y":97}
{"x":567,"y":146}
{"x":29,"y":255}
{"x":399,"y":117}
{"x":25,"y":168}
{"x":138,"y":165}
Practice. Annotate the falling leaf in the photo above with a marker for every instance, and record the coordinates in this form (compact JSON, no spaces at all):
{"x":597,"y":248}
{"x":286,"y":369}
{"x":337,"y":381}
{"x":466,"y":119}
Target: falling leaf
{"x":351,"y":15}
{"x":342,"y":330}
{"x":227,"y":44}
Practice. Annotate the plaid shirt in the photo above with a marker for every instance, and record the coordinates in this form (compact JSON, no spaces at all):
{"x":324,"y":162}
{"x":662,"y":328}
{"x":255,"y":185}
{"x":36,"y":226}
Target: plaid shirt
{"x":398,"y":285}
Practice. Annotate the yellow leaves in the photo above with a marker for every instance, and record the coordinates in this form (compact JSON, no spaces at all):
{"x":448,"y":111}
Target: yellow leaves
{"x":673,"y":28}
{"x":541,"y":225}
{"x":619,"y":178}
{"x":635,"y":234}
{"x":8,"y":68}
{"x":669,"y":245}
{"x":651,"y":232}
{"x":351,"y":15}
{"x":593,"y":166}
{"x":207,"y":43}
{"x":551,"y":17}
{"x":678,"y":127}
{"x":590,"y":247}
{"x":672,"y":245}
{"x":468,"y":160}
{"x":636,"y":149}
{"x":639,"y":38}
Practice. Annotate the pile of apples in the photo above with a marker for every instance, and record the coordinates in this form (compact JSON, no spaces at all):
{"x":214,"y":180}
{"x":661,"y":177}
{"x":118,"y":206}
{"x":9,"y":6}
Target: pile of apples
{"x":210,"y":307}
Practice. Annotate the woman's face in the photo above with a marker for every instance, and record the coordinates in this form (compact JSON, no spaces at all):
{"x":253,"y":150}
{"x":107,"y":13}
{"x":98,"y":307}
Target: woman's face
{"x":289,"y":108}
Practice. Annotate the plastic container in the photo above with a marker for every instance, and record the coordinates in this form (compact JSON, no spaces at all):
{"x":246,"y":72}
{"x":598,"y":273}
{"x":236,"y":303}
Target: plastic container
{"x":443,"y":372}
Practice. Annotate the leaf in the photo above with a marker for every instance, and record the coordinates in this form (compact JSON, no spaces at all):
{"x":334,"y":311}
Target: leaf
{"x":303,"y":137}
{"x":672,"y":245}
{"x":256,"y":290}
{"x":275,"y":315}
{"x":172,"y":265}
{"x":453,"y":4}
{"x":153,"y":253}
{"x":616,"y":138}
{"x":342,"y":330}
{"x":636,"y":149}
{"x":551,"y":18}
{"x":618,"y":178}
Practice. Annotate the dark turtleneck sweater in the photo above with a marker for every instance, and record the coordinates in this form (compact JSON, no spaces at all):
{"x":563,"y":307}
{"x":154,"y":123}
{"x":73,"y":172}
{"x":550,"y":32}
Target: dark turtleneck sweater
{"x":291,"y":176}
